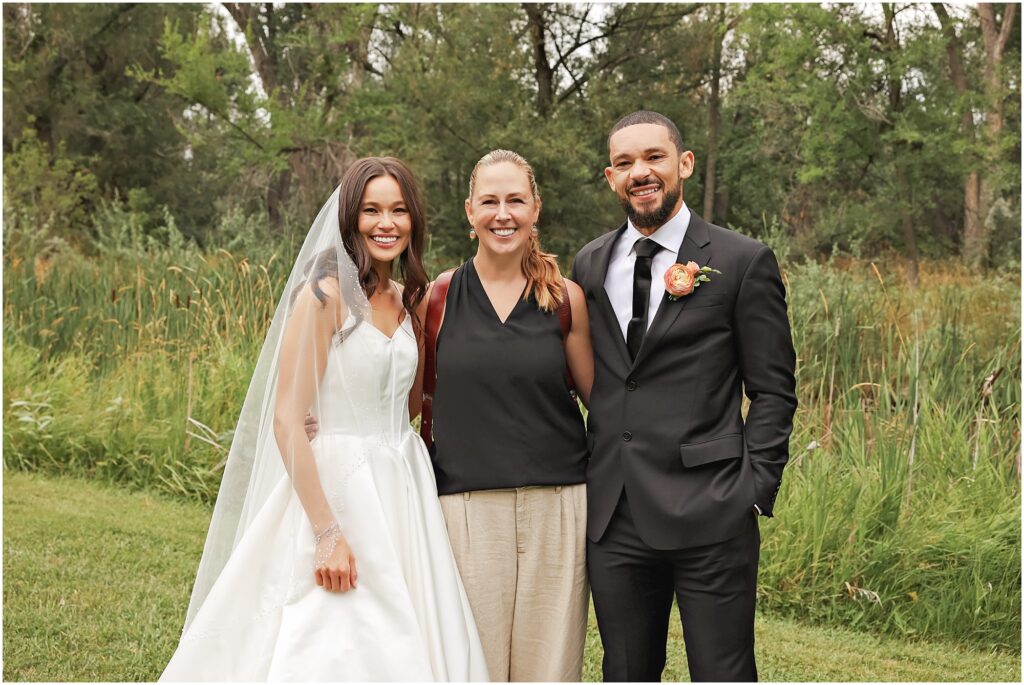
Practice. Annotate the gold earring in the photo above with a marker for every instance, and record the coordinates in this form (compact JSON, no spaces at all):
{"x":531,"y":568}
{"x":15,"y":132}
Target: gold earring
{"x":472,"y":234}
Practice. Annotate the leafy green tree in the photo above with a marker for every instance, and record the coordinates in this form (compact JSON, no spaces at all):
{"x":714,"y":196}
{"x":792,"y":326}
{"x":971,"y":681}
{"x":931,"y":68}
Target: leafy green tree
{"x":853,"y":128}
{"x":845,"y":124}
{"x":279,"y":102}
{"x":986,"y":33}
{"x":66,"y":78}
{"x":47,"y":197}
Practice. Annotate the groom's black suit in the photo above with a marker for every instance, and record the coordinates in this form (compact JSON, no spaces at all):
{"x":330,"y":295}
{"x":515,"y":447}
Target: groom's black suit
{"x":674,"y":471}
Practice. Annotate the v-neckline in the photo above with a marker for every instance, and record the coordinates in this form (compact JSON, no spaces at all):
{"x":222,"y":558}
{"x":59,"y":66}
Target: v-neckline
{"x":390,"y":338}
{"x":401,"y":321}
{"x":490,"y":303}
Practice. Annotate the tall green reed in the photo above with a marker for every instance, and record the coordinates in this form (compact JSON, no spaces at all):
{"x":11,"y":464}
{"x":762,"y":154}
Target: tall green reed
{"x":121,"y":366}
{"x":900,"y":507}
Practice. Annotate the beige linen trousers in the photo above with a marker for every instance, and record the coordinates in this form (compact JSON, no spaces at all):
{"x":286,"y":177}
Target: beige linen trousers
{"x":522,"y":556}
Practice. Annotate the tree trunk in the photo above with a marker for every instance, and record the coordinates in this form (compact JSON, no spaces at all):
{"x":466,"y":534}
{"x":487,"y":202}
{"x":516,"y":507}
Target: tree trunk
{"x":537,"y":22}
{"x":994,"y":36}
{"x":722,"y":204}
{"x":260,"y":40}
{"x":907,"y":223}
{"x":972,"y":235}
{"x":899,"y":149}
{"x":975,"y":241}
{"x":978,"y":192}
{"x":714,"y":116}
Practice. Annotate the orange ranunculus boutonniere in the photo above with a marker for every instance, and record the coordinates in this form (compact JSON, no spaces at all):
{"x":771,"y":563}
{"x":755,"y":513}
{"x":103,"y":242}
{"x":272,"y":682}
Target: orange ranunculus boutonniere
{"x":681,"y":279}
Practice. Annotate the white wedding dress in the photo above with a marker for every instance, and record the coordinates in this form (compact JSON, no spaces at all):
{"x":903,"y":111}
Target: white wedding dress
{"x":408,"y":619}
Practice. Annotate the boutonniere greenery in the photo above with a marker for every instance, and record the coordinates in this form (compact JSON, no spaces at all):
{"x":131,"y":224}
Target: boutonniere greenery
{"x":681,"y":279}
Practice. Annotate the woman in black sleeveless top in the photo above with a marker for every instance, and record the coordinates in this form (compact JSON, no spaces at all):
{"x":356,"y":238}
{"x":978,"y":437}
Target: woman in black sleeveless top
{"x":510,"y":443}
{"x":504,"y":416}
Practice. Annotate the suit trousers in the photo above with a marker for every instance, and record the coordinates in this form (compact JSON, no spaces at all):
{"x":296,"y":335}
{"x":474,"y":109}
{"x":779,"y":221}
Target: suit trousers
{"x":521,"y":553}
{"x":715,"y":586}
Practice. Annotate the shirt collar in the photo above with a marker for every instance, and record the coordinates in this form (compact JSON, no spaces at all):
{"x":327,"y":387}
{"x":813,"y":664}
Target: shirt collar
{"x":669,"y":235}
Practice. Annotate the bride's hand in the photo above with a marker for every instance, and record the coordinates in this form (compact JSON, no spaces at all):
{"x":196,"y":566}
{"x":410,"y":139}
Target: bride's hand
{"x":311,"y":426}
{"x":335,"y":569}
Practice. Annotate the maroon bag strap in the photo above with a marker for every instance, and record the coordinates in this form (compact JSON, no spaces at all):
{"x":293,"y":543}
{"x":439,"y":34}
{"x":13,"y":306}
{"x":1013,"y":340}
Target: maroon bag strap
{"x":435,"y":312}
{"x":565,"y":321}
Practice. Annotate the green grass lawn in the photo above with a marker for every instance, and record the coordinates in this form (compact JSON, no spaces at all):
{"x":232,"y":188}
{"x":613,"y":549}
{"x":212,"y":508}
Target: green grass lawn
{"x":96,"y":581}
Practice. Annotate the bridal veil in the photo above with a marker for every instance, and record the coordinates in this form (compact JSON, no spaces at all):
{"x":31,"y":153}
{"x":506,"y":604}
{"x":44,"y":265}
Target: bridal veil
{"x":255,"y":465}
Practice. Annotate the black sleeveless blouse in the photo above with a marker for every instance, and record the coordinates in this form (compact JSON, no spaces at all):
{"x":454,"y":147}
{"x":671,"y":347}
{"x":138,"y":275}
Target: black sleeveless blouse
{"x":503,"y":416}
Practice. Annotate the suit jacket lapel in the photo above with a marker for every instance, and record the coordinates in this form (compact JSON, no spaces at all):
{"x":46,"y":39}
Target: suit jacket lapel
{"x":602,"y":257}
{"x":695,"y":248}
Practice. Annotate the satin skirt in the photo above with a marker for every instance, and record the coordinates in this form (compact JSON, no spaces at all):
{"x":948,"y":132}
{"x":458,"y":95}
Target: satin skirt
{"x":408,"y":619}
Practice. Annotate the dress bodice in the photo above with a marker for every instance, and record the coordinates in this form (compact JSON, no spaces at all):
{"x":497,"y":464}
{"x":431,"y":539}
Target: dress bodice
{"x":366,"y":384}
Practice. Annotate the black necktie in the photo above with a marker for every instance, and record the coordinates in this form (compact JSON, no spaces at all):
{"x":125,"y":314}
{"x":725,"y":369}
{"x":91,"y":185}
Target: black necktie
{"x":645,"y":251}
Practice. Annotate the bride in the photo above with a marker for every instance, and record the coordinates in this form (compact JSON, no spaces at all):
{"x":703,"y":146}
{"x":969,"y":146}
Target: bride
{"x":329,"y":560}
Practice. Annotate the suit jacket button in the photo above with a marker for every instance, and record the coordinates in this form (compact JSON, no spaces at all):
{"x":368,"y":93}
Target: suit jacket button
{"x":627,"y":436}
{"x":631,"y":385}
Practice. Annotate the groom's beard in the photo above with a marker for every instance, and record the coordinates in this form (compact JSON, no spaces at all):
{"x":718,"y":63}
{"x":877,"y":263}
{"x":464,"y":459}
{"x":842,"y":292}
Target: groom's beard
{"x":656,"y":217}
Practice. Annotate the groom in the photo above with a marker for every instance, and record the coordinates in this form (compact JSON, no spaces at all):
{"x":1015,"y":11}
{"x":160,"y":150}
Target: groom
{"x":677,"y":478}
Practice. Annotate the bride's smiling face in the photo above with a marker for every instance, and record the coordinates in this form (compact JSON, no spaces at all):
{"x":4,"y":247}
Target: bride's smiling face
{"x":384,"y":219}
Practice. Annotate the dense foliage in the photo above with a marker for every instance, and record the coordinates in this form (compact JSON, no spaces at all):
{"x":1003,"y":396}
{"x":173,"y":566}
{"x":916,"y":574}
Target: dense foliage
{"x":857,"y":128}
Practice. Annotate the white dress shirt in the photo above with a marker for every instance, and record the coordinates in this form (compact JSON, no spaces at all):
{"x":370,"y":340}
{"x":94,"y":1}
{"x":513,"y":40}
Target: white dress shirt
{"x":618,"y":283}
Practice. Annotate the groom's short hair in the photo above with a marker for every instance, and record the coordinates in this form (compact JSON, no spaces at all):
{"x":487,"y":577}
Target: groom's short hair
{"x":644,"y":116}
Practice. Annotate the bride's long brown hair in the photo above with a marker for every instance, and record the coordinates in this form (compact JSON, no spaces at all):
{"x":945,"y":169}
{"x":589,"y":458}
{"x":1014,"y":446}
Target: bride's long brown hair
{"x":410,"y":262}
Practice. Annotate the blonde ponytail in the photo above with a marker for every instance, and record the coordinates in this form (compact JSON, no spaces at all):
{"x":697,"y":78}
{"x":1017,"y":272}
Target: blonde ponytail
{"x":543,"y":277}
